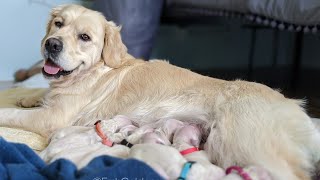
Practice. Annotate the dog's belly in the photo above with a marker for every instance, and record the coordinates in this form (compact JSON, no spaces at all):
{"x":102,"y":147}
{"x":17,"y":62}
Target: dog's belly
{"x":187,"y":113}
{"x":143,"y":113}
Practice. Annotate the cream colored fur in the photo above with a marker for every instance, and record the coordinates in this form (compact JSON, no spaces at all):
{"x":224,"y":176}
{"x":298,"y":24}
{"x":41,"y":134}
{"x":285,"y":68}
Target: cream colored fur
{"x":247,"y":123}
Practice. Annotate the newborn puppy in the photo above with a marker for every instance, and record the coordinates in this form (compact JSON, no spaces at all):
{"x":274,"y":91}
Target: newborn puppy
{"x":82,"y":155}
{"x":188,"y":137}
{"x":70,"y":138}
{"x":163,"y":132}
{"x":154,"y":138}
{"x":160,"y":132}
{"x":166,"y":161}
{"x":75,"y":142}
{"x":167,"y":127}
{"x":118,"y":128}
{"x":135,"y":137}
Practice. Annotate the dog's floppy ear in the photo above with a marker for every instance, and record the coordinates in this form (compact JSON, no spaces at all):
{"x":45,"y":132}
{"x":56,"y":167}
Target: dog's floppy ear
{"x":54,"y":12}
{"x":114,"y":51}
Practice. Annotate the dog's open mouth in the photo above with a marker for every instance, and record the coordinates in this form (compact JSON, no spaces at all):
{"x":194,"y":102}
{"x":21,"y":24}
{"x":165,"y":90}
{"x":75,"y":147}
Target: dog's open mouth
{"x":50,"y":69}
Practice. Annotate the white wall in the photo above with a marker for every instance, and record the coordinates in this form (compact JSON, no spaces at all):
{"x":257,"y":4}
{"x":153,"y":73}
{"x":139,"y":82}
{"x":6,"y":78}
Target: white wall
{"x":22,"y":26}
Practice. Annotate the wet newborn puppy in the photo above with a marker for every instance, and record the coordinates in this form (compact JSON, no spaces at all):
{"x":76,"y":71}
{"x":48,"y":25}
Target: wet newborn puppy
{"x":187,"y":140}
{"x":82,"y":144}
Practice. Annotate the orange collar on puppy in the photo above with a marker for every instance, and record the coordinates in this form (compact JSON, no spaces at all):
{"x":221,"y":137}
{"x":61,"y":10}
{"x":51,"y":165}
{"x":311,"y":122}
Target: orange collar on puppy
{"x":188,"y":151}
{"x":100,"y":133}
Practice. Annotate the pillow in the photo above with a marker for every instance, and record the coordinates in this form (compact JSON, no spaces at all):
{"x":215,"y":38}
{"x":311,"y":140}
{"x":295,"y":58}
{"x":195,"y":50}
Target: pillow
{"x":8,"y":99}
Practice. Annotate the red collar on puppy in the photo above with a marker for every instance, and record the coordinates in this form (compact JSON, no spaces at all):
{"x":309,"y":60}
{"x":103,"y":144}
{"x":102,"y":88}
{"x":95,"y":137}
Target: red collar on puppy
{"x":100,"y":133}
{"x":188,"y":151}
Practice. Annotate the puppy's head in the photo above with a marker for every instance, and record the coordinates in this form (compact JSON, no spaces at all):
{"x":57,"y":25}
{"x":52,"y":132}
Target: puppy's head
{"x":76,"y":39}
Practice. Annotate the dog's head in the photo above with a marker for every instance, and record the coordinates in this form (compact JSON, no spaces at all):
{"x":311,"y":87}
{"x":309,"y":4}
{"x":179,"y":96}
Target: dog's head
{"x":76,"y":39}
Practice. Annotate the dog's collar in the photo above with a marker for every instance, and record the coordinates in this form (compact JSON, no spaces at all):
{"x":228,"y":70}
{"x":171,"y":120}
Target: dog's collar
{"x":126,"y":143}
{"x":186,"y":168}
{"x":188,"y":151}
{"x":100,"y":133}
{"x":240,"y":171}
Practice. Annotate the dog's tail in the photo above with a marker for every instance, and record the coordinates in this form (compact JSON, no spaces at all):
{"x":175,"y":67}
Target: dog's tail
{"x":316,"y":174}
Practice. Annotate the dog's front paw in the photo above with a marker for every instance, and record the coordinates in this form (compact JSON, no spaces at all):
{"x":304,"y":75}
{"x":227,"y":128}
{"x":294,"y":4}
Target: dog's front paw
{"x":28,"y":102}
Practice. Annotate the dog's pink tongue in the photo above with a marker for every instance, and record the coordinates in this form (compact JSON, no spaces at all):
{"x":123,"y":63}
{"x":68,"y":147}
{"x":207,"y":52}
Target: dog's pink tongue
{"x":51,"y":68}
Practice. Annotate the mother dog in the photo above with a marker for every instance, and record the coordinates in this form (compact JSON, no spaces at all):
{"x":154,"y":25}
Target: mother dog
{"x":93,"y":77}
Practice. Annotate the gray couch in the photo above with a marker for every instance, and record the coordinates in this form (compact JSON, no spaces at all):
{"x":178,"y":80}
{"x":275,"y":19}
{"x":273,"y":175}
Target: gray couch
{"x":295,"y":15}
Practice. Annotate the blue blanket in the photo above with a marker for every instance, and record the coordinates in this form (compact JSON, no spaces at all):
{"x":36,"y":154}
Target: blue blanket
{"x":18,"y":161}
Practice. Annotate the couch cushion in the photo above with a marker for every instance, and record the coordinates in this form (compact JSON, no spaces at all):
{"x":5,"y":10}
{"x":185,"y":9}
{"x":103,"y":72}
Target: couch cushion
{"x":298,"y":12}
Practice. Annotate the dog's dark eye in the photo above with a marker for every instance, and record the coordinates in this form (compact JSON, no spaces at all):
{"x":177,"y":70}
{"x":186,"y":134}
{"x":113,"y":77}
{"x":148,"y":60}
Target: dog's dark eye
{"x":84,"y":37}
{"x":58,"y":24}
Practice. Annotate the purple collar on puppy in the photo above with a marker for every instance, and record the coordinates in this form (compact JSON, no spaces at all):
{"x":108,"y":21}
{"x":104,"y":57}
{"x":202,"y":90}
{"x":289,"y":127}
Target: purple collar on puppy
{"x":240,"y":171}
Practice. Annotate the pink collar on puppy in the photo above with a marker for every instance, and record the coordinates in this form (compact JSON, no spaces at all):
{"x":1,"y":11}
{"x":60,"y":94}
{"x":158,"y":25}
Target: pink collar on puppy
{"x":100,"y":133}
{"x":188,"y":151}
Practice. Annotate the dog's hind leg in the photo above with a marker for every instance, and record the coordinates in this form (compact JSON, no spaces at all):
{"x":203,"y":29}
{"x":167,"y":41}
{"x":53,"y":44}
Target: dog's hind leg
{"x":278,"y":137}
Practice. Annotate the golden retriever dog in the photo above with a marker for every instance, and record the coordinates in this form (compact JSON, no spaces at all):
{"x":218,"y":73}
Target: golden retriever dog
{"x":93,"y":77}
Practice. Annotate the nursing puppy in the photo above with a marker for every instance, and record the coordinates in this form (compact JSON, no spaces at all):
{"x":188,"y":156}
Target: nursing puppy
{"x":165,"y":160}
{"x":162,"y":133}
{"x":189,"y":136}
{"x":82,"y":144}
{"x":93,"y":77}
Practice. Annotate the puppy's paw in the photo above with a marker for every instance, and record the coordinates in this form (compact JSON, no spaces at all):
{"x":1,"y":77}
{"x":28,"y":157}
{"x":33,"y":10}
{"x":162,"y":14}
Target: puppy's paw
{"x":28,"y":102}
{"x":116,"y":137}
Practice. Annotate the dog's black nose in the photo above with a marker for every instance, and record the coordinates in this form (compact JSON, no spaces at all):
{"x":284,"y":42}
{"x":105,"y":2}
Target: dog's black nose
{"x":53,"y":45}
